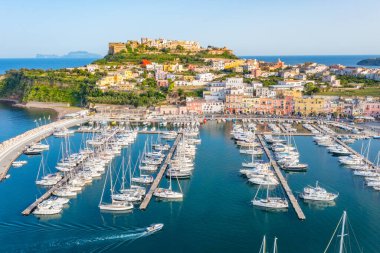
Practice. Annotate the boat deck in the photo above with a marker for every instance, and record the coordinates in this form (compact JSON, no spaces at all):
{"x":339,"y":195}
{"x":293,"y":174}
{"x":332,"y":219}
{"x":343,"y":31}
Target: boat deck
{"x":283,"y":181}
{"x":144,"y":204}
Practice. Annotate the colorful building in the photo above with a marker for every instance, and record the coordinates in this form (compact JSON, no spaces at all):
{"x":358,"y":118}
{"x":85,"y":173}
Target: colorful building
{"x":308,"y":105}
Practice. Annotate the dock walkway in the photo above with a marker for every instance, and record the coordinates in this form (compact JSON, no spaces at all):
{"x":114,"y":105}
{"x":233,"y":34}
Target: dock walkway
{"x":283,"y":181}
{"x":144,"y":204}
{"x":66,"y":178}
{"x":11,"y":149}
{"x":368,"y":162}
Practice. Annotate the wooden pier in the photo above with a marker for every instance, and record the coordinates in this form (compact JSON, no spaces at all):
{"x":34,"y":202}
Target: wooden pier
{"x":283,"y":181}
{"x":368,"y":162}
{"x":65,"y":179}
{"x":45,"y":196}
{"x":144,"y":204}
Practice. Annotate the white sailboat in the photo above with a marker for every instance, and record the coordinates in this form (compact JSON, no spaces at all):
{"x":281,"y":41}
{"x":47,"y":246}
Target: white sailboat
{"x":168,"y":193}
{"x":269,"y":202}
{"x":114,"y":205}
{"x":350,"y":247}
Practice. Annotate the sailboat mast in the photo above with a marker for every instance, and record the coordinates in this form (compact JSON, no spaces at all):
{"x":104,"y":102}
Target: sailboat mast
{"x":341,"y":245}
{"x":264,"y":245}
{"x":275,"y":245}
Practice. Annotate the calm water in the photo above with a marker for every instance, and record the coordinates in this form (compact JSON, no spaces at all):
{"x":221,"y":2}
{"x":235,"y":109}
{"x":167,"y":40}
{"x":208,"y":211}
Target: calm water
{"x":14,"y":121}
{"x":215,"y":215}
{"x":34,"y":63}
{"x":346,"y":60}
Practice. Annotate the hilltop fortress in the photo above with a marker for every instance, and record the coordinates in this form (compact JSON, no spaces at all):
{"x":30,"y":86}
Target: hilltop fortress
{"x":160,"y":44}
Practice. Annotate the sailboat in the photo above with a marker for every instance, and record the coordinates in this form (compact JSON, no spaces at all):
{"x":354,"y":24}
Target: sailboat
{"x":263,"y":247}
{"x":132,"y":193}
{"x":269,"y":202}
{"x":114,"y":205}
{"x":350,"y":247}
{"x":47,"y":179}
{"x":169,"y":194}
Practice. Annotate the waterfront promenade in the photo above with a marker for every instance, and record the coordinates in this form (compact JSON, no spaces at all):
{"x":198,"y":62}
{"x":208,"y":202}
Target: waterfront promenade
{"x":11,"y":149}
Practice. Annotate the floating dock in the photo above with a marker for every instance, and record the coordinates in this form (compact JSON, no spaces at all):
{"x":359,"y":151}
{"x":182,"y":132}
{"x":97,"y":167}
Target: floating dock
{"x":368,"y":162}
{"x":47,"y":194}
{"x":144,"y":204}
{"x":283,"y":181}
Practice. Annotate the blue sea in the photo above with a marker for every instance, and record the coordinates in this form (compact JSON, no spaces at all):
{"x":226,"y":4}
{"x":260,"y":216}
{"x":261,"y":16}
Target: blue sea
{"x":35,"y":63}
{"x":346,"y":60}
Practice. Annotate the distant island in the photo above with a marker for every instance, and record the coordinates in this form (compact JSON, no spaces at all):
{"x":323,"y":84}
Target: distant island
{"x":70,"y":55}
{"x":369,"y":62}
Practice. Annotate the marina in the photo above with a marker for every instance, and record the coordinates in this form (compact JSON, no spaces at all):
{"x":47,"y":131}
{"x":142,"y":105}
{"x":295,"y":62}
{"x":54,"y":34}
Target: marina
{"x":198,"y":191}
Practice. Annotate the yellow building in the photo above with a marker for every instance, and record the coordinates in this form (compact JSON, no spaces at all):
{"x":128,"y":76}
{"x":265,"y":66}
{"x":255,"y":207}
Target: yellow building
{"x":308,"y":105}
{"x":172,"y":67}
{"x":290,"y":93}
{"x":233,"y":64}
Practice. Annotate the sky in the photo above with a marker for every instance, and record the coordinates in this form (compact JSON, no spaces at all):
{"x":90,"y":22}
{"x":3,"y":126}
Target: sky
{"x":249,"y":27}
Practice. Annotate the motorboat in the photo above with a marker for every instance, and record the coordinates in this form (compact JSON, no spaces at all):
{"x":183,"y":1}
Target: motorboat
{"x":154,"y":228}
{"x":32,"y":151}
{"x":317,"y":193}
{"x":18,"y":164}
{"x":295,"y":167}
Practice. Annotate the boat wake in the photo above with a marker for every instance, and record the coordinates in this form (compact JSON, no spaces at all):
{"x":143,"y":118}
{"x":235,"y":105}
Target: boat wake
{"x":96,"y":237}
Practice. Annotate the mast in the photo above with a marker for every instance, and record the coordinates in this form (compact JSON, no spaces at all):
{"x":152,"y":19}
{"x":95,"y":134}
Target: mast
{"x":264,"y":245}
{"x":104,"y":186}
{"x":275,"y":245}
{"x":341,"y":244}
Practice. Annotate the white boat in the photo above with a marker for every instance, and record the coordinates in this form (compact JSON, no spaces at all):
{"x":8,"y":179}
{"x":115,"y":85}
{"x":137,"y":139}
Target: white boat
{"x":64,"y":192}
{"x":169,"y":194}
{"x":317,"y":193}
{"x":116,"y":206}
{"x":267,"y":180}
{"x":48,"y":210}
{"x":18,"y":164}
{"x":40,"y":146}
{"x":154,"y":228}
{"x":143,"y":179}
{"x":269,"y":202}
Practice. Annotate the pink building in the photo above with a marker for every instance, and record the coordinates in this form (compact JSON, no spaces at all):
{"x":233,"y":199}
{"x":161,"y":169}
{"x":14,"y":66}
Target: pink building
{"x":195,"y":106}
{"x":372,"y":109}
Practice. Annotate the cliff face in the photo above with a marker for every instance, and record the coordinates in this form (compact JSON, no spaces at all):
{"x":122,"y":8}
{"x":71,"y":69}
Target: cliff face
{"x":369,"y":62}
{"x":24,"y":86}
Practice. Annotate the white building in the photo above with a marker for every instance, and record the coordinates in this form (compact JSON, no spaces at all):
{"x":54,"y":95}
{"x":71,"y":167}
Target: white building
{"x":204,"y":77}
{"x":265,"y":92}
{"x":217,"y":65}
{"x":210,"y":107}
